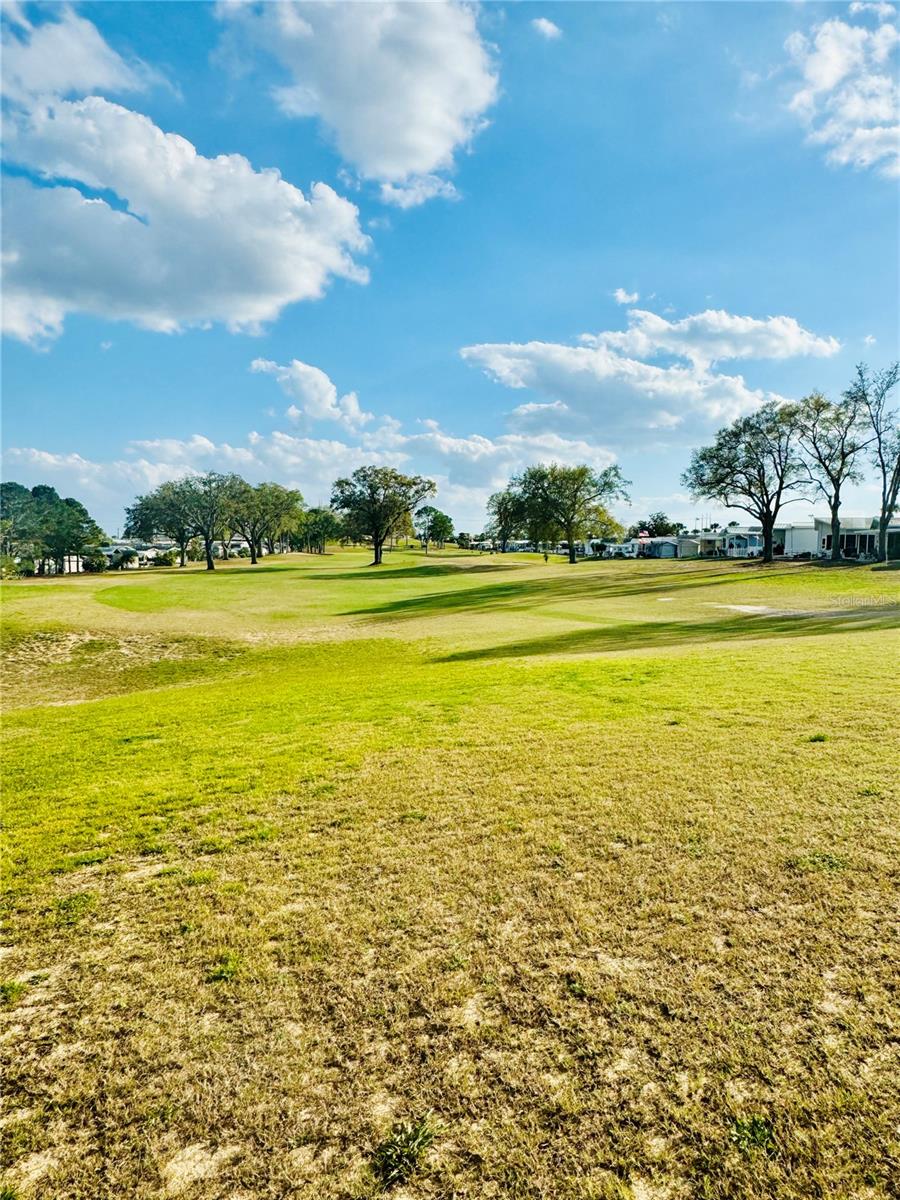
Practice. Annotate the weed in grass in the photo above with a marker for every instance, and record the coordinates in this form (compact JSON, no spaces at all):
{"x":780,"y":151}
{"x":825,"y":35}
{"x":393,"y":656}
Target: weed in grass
{"x":8,"y":1193}
{"x":199,"y":878}
{"x":212,"y":846}
{"x":398,"y":1156}
{"x":818,"y":737}
{"x":11,"y":992}
{"x":226,"y":968}
{"x":69,"y":910}
{"x":575,"y":986}
{"x":151,"y":850}
{"x":753,"y":1133}
{"x":262,"y":833}
{"x":90,"y":858}
{"x":818,"y":860}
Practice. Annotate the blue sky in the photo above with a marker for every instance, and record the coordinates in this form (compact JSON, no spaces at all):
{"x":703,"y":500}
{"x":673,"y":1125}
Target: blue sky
{"x":290,"y":239}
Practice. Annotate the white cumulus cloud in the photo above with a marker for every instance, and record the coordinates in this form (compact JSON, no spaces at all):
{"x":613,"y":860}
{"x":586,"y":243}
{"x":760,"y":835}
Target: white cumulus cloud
{"x":622,"y":297}
{"x":547,"y":29}
{"x":62,"y":56}
{"x":606,"y":384}
{"x":882,"y":10}
{"x":847,"y":95}
{"x":714,"y":336}
{"x":315,"y":395}
{"x":400,"y":87}
{"x":201,"y":240}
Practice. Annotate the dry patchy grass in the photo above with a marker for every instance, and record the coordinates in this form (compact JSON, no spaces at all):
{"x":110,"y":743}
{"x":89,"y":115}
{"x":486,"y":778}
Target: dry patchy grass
{"x":505,"y":915}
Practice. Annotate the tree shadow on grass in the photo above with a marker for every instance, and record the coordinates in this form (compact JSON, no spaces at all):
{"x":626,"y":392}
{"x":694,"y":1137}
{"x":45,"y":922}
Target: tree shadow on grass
{"x":652,"y":634}
{"x":531,"y":591}
{"x":416,"y":571}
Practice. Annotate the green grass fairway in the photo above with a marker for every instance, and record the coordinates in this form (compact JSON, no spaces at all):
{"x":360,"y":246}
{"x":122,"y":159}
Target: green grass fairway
{"x":468,"y":877}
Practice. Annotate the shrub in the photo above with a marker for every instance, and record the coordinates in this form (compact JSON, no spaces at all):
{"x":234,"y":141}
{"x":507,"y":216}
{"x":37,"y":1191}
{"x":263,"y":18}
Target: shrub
{"x":9,"y":568}
{"x":93,"y":561}
{"x":123,"y":558}
{"x":167,"y":558}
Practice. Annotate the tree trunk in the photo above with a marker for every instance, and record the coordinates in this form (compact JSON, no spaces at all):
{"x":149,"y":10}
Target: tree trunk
{"x":570,"y":536}
{"x":253,"y":559}
{"x":768,"y":541}
{"x":835,"y":534}
{"x":183,"y":549}
{"x":377,"y":546}
{"x":207,"y":545}
{"x":883,"y":523}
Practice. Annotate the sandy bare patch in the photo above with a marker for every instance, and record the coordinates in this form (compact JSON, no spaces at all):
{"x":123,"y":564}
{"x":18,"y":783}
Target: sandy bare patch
{"x":624,"y":1064}
{"x":470,"y":1015}
{"x":145,"y":872}
{"x":739,"y":1092}
{"x":381,"y":1108}
{"x":193,"y":1163}
{"x":759,"y":609}
{"x":293,"y":906}
{"x":642,"y":1189}
{"x":31,"y":1170}
{"x":37,"y":651}
{"x":618,"y":966}
{"x":65,"y":1050}
{"x":307,"y":1161}
{"x":14,"y":1116}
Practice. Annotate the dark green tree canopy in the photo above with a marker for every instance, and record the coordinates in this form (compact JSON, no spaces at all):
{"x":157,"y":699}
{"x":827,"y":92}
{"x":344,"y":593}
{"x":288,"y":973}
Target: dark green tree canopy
{"x":656,"y":525}
{"x":38,"y":525}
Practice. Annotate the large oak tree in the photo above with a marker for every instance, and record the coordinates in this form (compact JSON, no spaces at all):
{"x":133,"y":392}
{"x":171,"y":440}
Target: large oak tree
{"x":374,"y":499}
{"x":165,"y":510}
{"x":569,"y":500}
{"x":752,"y":465}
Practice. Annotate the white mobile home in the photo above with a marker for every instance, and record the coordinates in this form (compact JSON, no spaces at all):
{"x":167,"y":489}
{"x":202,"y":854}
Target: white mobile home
{"x":859,"y":537}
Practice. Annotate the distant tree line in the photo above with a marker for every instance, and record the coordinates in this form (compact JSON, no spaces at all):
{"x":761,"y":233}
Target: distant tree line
{"x":215,"y":508}
{"x":785,"y":452}
{"x":372,"y":505}
{"x":758,"y":463}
